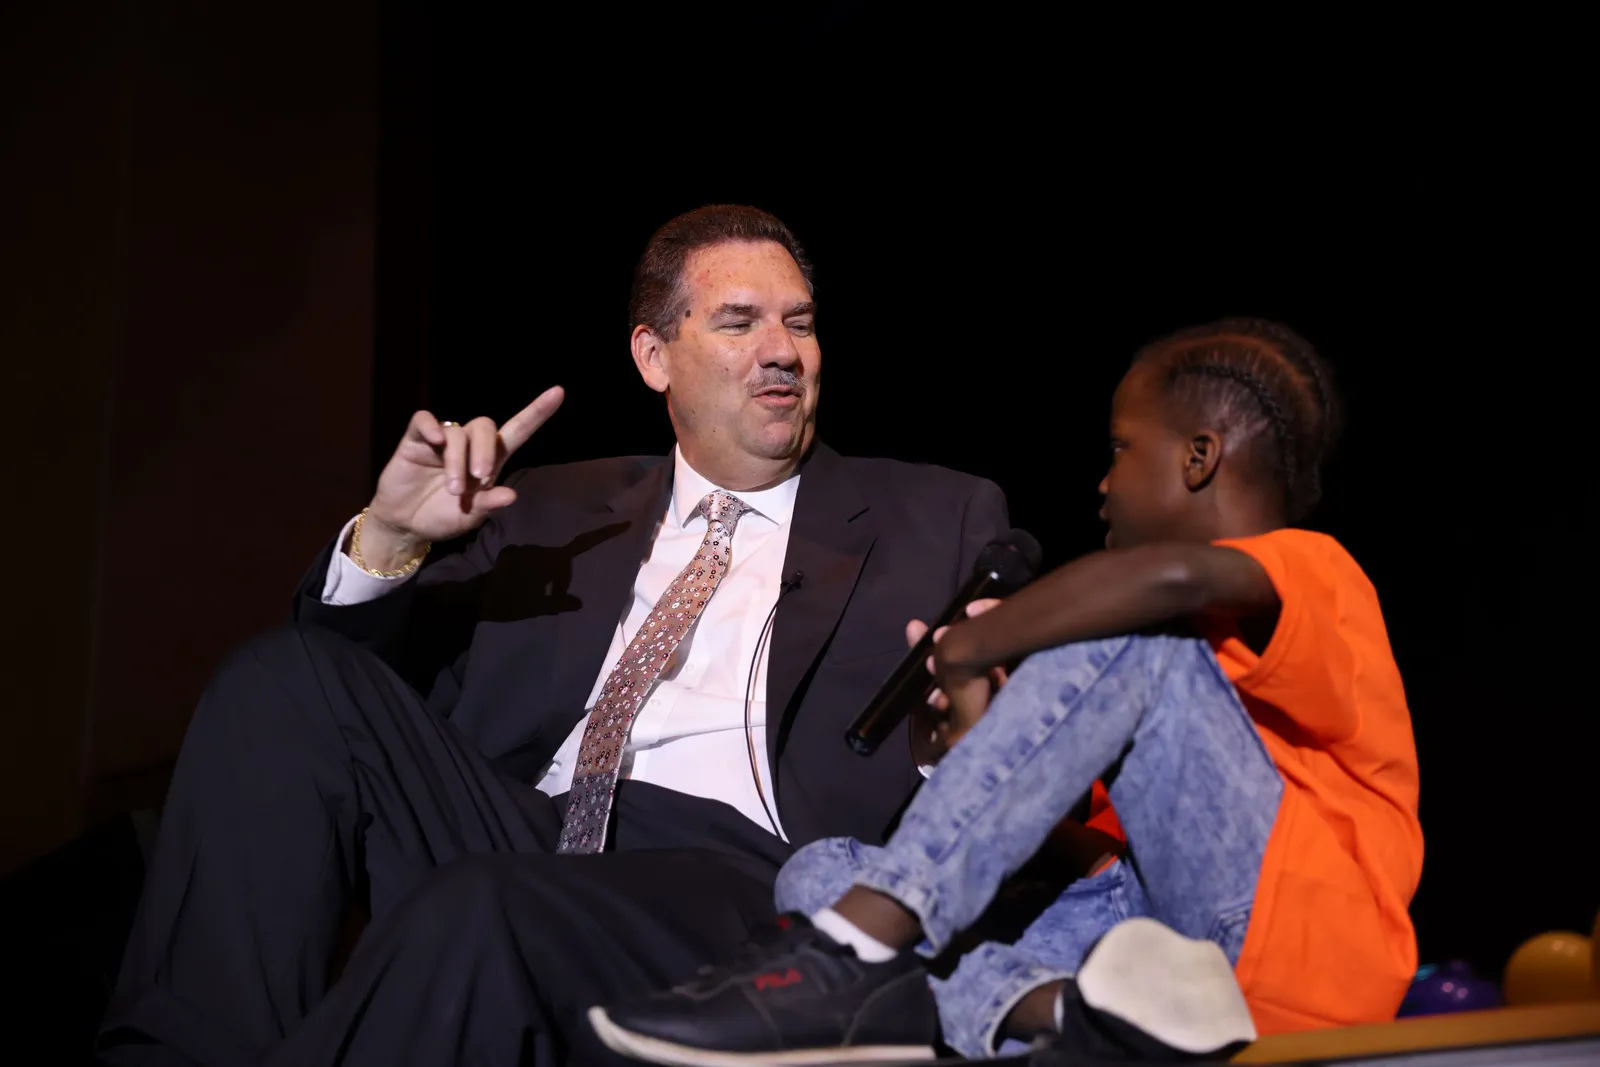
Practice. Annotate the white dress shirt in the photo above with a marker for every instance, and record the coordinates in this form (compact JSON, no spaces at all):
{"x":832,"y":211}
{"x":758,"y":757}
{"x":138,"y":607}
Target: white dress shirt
{"x":690,"y":734}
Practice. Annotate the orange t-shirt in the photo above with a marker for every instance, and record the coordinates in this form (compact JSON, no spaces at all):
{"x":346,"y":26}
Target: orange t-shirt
{"x":1330,"y":941}
{"x":1102,"y":816}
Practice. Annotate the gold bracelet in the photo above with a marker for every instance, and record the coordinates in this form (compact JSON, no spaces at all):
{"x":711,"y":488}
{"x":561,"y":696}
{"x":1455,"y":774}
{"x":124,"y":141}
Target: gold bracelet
{"x":355,"y":552}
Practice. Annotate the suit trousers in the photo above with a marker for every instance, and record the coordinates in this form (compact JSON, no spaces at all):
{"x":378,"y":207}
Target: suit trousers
{"x":314,"y":781}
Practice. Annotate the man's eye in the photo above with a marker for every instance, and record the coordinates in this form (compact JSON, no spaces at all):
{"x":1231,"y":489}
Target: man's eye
{"x":801,"y":328}
{"x":741,"y":325}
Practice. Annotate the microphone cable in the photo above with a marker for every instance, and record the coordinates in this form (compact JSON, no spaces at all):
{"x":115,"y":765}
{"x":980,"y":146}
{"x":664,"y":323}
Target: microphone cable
{"x":789,"y":585}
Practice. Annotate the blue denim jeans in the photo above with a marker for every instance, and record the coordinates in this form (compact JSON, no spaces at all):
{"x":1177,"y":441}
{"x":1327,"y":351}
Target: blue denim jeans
{"x":1197,"y":795}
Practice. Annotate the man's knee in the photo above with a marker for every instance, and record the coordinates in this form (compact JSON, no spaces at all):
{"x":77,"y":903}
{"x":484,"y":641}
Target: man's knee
{"x":276,"y":669}
{"x":292,"y":648}
{"x":470,"y":884}
{"x":465,"y":902}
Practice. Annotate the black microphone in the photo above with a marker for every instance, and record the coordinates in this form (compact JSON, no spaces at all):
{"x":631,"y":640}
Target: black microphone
{"x":1005,"y":565}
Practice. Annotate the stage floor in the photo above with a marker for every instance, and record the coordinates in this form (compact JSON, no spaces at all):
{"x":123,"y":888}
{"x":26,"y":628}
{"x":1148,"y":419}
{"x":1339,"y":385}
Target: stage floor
{"x":1570,"y":1052}
{"x":1554,"y":1035}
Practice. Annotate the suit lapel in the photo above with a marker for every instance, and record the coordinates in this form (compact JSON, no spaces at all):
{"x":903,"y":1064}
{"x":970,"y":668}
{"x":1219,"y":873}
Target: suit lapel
{"x":610,"y":570}
{"x":829,"y":541}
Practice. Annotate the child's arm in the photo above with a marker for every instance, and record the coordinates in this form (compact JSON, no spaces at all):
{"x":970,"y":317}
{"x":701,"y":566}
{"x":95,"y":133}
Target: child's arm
{"x":1104,"y":594}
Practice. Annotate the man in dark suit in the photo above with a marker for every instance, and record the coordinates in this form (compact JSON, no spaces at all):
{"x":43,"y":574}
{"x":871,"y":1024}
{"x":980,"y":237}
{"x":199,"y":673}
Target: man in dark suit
{"x":561,"y":757}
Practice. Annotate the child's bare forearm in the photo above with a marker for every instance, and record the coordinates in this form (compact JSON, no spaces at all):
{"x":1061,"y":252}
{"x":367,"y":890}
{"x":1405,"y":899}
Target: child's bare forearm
{"x":1107,"y":593}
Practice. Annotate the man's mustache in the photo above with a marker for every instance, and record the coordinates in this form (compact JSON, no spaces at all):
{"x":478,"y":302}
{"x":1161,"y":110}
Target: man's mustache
{"x":775,"y":378}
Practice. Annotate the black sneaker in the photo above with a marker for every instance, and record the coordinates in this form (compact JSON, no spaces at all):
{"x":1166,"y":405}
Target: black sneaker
{"x":795,"y":998}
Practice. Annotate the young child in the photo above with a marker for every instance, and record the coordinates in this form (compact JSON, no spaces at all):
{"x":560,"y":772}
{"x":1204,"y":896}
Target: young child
{"x":1227,"y":674}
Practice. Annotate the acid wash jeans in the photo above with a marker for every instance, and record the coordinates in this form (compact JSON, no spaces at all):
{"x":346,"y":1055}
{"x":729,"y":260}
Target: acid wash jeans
{"x":1196,"y":794}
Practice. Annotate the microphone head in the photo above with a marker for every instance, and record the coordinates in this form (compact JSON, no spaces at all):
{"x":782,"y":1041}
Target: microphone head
{"x":1014,"y":556}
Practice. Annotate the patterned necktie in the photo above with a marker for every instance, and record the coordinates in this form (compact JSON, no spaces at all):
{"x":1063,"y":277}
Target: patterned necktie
{"x":594,"y":779}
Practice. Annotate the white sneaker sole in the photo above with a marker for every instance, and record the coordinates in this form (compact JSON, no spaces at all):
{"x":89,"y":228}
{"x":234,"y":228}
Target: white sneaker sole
{"x":1176,"y":989}
{"x":655,"y":1050}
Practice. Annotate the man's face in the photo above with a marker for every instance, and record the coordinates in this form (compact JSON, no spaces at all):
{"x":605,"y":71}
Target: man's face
{"x":742,"y":375}
{"x":1146,"y":499}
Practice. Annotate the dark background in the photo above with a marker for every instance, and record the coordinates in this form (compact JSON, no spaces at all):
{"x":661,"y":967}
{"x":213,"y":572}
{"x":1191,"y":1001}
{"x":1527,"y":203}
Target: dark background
{"x":243,"y":248}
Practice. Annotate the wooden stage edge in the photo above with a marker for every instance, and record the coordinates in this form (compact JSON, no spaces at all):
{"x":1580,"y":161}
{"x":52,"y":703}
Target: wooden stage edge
{"x":1497,"y":1026}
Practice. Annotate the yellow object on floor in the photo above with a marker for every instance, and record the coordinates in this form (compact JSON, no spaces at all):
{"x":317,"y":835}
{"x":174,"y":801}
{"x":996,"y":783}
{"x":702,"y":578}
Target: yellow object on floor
{"x":1551,"y":968}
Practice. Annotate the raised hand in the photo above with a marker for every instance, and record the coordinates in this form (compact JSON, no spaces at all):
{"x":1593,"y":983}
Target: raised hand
{"x":440,"y":482}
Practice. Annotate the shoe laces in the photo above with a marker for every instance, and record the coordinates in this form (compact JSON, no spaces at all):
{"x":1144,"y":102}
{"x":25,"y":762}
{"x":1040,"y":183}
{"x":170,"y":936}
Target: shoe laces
{"x":758,"y":948}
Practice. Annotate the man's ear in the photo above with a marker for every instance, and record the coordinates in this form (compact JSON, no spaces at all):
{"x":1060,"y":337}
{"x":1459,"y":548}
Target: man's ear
{"x":650,"y":356}
{"x":1201,"y":459}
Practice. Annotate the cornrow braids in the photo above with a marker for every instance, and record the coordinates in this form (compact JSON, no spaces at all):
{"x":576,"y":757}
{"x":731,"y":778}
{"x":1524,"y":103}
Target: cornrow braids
{"x":1319,"y":376}
{"x":1279,"y":420}
{"x":1262,"y":378}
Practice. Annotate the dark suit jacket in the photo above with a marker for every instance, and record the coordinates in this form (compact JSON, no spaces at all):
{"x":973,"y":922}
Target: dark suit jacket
{"x":506,"y":632}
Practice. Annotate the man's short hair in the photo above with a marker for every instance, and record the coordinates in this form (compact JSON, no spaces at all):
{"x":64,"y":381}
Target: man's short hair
{"x":659,"y":299}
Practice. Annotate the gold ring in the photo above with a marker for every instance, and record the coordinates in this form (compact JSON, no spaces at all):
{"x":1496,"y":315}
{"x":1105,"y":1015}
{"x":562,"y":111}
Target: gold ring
{"x":444,"y":424}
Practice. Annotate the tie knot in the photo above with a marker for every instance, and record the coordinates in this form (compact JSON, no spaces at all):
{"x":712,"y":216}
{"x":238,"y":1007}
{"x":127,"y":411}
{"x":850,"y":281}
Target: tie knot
{"x":723,"y":507}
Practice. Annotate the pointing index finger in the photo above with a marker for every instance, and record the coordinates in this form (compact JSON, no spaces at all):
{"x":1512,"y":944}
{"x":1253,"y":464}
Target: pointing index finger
{"x":521,"y":426}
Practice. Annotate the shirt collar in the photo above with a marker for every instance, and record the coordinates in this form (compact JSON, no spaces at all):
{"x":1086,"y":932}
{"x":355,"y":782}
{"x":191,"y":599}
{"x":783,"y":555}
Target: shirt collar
{"x":689,"y":487}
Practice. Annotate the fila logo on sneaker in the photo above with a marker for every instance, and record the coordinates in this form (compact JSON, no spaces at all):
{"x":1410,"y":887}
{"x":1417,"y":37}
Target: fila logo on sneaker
{"x":776,"y":979}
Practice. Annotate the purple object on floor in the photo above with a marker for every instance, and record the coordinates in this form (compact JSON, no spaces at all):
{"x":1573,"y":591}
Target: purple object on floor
{"x":1454,"y":987}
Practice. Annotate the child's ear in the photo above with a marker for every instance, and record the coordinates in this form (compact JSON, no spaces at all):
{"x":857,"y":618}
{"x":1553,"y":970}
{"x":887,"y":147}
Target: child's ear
{"x":1201,"y":460}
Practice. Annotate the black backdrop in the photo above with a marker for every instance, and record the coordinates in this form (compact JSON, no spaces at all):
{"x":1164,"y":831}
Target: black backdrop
{"x":988,"y":257}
